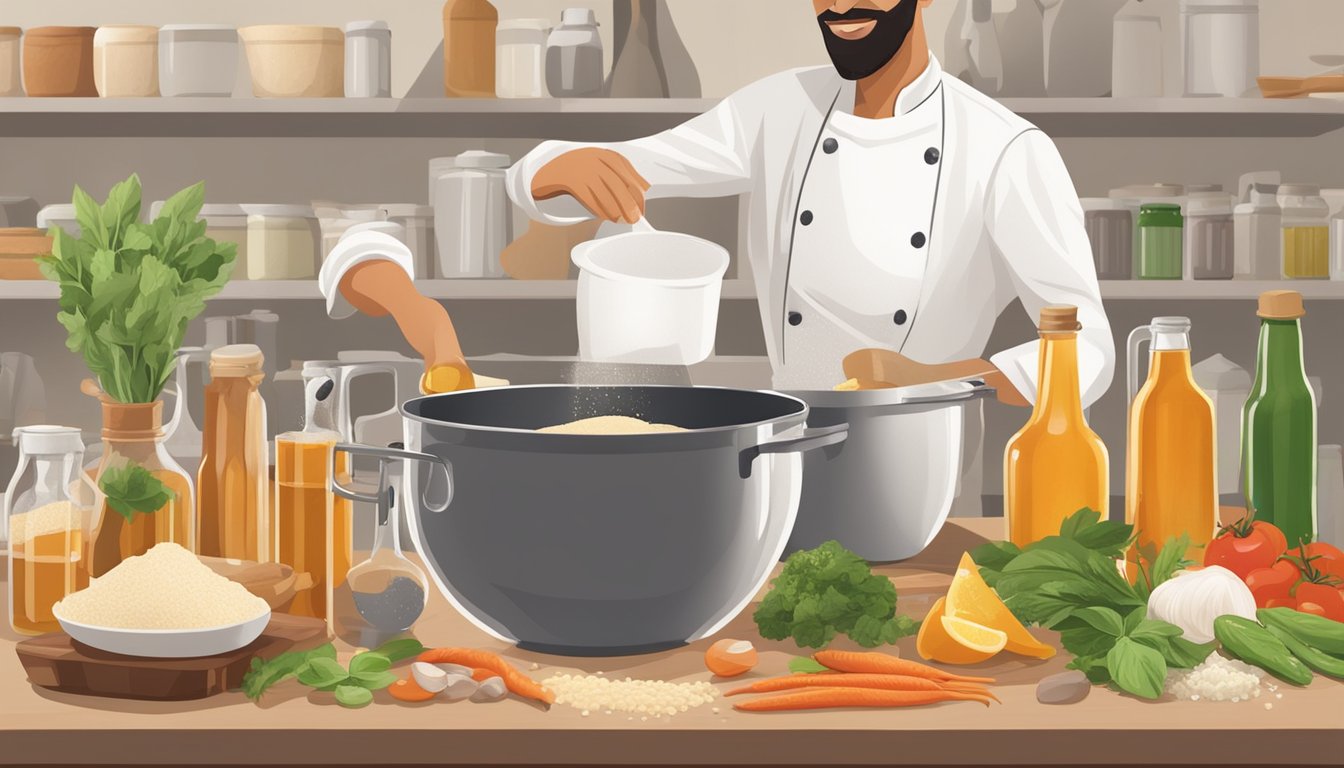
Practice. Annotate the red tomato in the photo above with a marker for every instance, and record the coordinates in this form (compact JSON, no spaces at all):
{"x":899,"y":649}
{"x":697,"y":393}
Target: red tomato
{"x":1242,"y":549}
{"x":1274,"y":583}
{"x":1311,"y":608}
{"x":1282,"y":602}
{"x":1326,"y":596}
{"x":1327,"y":559}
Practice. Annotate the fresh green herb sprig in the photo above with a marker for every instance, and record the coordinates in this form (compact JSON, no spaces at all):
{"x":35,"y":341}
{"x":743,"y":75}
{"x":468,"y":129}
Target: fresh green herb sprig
{"x":128,"y":290}
{"x":132,"y":488}
{"x":1071,"y":583}
{"x":830,"y":591}
{"x":353,"y":687}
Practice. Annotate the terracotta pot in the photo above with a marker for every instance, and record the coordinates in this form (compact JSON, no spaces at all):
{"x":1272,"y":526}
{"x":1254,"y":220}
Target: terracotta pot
{"x":19,"y":247}
{"x":58,"y":61}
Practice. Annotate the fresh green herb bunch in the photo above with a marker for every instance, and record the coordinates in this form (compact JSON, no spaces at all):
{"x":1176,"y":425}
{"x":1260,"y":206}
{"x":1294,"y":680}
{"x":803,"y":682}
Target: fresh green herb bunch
{"x":353,"y":687}
{"x":128,"y":290}
{"x":1071,"y":583}
{"x":828,"y":591}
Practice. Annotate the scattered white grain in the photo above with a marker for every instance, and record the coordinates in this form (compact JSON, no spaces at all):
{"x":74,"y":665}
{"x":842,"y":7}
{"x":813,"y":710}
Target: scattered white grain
{"x":585,"y":713}
{"x":1268,"y":705}
{"x":1217,"y":679}
{"x":165,"y":588}
{"x":1278,"y":695}
{"x":642,"y":697}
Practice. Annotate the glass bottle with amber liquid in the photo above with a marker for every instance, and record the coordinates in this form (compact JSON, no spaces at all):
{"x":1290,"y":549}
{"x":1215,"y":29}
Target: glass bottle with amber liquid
{"x":1056,"y":465}
{"x":232,"y":485}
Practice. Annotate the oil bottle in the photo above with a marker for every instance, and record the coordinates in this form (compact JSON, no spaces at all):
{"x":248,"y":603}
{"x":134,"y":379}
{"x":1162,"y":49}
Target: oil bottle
{"x":1056,"y":465}
{"x":1171,"y":486}
{"x":233,"y":519}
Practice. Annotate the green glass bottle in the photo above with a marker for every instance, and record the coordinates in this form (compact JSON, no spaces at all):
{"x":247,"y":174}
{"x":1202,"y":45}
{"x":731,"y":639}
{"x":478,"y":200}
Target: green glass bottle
{"x":1278,"y":436}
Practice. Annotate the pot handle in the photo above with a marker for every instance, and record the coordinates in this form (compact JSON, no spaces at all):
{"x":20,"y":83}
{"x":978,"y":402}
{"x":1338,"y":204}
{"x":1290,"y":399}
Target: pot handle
{"x":386,"y":455}
{"x":809,"y":440}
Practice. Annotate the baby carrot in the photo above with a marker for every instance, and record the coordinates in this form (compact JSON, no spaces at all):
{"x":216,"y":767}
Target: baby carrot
{"x":835,"y":698}
{"x":481,"y":674}
{"x":882,"y":664}
{"x":880,"y":682}
{"x":514,"y":680}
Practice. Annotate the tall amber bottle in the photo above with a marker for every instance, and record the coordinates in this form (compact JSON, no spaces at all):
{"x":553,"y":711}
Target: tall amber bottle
{"x":1171,"y":486}
{"x":469,"y":49}
{"x":1056,"y":464}
{"x":232,"y":499}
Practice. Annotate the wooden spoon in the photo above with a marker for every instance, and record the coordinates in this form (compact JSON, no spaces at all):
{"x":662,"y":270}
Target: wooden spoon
{"x":1292,"y":87}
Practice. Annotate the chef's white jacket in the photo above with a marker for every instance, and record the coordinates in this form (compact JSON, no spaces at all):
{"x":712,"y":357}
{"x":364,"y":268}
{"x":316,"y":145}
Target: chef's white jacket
{"x":910,"y":233}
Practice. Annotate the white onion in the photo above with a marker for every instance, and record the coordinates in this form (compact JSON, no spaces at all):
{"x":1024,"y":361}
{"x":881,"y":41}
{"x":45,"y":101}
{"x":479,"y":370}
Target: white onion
{"x":1192,"y":600}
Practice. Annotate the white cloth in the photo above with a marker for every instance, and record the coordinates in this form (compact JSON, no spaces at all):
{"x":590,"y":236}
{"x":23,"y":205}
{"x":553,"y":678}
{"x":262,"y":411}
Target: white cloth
{"x":357,"y":246}
{"x":998,"y":211}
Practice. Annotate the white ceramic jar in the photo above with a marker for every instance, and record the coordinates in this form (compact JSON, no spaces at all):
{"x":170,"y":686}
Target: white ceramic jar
{"x":368,"y":60}
{"x":417,"y":223}
{"x":197,"y":60}
{"x":1210,"y":245}
{"x":281,"y":242}
{"x":472,"y":213}
{"x":437,"y":167}
{"x":11,"y":83}
{"x":126,"y":61}
{"x":1220,"y":42}
{"x":520,"y":58}
{"x":59,"y":215}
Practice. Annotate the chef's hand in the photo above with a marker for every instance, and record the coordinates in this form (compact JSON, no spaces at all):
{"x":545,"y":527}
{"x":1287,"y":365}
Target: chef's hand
{"x":602,"y":180}
{"x":381,"y":288}
{"x":882,"y":367}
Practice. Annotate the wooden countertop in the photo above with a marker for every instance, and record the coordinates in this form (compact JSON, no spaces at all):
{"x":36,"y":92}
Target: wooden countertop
{"x":1305,"y":727}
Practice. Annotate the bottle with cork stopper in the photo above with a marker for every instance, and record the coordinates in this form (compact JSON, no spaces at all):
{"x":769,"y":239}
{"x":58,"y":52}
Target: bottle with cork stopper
{"x":1056,"y":465}
{"x":1279,"y":427}
{"x":233,"y":502}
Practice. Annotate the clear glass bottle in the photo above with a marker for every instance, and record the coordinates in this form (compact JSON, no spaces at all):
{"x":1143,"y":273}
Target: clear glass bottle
{"x":233,"y":519}
{"x":1172,"y":478}
{"x":312,"y":525}
{"x":48,"y":507}
{"x":574,"y":56}
{"x":1306,"y":232}
{"x":1056,"y":465}
{"x":133,"y":441}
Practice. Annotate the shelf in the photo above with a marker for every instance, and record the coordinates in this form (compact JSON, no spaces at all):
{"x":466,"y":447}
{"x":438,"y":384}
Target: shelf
{"x":275,"y":290}
{"x":591,"y":119}
{"x":605,"y":119}
{"x":1198,"y":290}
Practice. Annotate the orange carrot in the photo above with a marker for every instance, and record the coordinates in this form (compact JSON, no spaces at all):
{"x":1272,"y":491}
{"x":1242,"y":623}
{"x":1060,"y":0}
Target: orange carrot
{"x":836,"y":698}
{"x":409,"y":691}
{"x":882,"y":664}
{"x":514,"y":680}
{"x":842,"y":680}
{"x":481,"y":674}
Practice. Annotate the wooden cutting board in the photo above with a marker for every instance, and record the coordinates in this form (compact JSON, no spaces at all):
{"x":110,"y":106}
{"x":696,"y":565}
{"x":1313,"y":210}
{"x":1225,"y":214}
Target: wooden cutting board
{"x":58,"y":663}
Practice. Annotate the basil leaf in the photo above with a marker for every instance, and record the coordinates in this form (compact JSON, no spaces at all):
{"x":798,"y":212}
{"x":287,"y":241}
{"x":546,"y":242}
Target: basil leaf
{"x":353,"y":696}
{"x":400,"y":650}
{"x":322,"y":672}
{"x":1137,"y":669}
{"x":802,"y":665}
{"x":132,"y":488}
{"x":369,"y":663}
{"x":1102,"y":619}
{"x":1086,"y":641}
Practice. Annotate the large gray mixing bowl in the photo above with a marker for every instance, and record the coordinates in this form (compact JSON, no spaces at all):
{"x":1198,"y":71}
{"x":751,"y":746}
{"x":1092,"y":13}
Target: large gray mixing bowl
{"x":607,"y":545}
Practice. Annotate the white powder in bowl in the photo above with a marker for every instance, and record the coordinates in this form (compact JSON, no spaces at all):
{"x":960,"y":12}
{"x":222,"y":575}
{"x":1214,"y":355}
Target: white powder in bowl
{"x":166,"y":588}
{"x":611,"y":425}
{"x":1217,"y":679}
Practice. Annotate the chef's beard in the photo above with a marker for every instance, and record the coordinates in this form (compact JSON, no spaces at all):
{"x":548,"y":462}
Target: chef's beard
{"x":857,"y":59}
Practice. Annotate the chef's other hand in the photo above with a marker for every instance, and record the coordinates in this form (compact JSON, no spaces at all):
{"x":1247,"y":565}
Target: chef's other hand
{"x":602,"y":180}
{"x":381,"y":288}
{"x":882,"y":367}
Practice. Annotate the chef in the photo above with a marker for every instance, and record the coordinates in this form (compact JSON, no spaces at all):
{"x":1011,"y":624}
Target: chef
{"x":888,"y":206}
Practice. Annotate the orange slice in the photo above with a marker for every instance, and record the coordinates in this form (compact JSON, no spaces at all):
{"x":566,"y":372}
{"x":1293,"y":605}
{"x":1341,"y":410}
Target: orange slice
{"x":951,"y":640}
{"x":972,"y":599}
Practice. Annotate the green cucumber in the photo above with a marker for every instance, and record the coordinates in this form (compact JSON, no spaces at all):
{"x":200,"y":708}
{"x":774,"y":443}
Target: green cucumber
{"x":1315,"y":631}
{"x":1255,"y":645}
{"x":1313,"y":657}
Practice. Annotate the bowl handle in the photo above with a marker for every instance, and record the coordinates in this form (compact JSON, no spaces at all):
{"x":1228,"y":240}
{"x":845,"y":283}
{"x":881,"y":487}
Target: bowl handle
{"x":809,"y":440}
{"x":385,"y":456}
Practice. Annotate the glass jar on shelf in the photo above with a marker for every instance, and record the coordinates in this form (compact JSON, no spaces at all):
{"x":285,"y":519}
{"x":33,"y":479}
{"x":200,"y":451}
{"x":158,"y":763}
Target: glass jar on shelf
{"x":148,"y":498}
{"x":48,"y":506}
{"x":1161,"y":235}
{"x":1306,"y":232}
